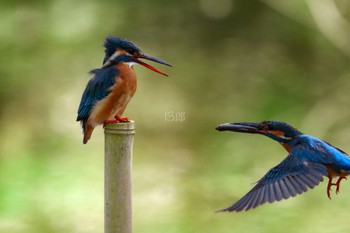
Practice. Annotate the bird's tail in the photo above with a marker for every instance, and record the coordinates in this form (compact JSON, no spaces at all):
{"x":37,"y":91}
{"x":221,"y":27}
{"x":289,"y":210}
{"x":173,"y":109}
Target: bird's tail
{"x":87,"y":130}
{"x":87,"y":133}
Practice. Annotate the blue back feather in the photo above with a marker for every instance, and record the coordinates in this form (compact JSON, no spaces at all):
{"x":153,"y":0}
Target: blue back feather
{"x":318,"y":151}
{"x":303,"y":169}
{"x":97,"y":89}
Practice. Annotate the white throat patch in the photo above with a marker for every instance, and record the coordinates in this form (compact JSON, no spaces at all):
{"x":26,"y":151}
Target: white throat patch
{"x":130,"y":64}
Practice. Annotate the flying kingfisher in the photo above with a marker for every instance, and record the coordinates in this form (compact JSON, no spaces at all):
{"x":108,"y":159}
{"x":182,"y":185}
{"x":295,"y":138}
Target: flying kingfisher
{"x":308,"y":161}
{"x":110,"y":90}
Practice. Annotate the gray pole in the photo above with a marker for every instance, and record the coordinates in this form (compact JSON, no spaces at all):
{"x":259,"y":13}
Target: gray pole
{"x":118,"y":155}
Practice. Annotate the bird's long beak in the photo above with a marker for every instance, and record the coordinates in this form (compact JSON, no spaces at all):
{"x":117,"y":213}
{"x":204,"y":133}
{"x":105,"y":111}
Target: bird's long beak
{"x":242,"y":127}
{"x":144,"y":56}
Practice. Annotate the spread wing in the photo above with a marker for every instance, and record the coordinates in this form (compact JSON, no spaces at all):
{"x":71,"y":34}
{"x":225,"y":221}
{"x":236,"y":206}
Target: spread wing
{"x":97,"y":88}
{"x":291,"y":177}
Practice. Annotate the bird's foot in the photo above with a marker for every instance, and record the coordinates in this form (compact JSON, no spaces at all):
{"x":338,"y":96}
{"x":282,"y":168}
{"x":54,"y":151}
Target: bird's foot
{"x":116,"y":120}
{"x":338,"y":183}
{"x":121,"y":119}
{"x":330,"y":184}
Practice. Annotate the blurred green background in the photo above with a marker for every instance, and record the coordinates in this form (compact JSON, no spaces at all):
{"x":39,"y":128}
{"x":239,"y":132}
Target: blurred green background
{"x":233,"y":61}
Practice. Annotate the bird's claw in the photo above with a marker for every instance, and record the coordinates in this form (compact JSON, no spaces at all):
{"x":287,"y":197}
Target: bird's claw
{"x":329,"y":190}
{"x":121,"y":119}
{"x":117,"y":119}
{"x":337,"y":184}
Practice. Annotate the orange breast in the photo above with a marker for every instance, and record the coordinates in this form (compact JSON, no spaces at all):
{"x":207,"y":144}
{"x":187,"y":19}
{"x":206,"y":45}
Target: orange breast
{"x":124,"y":89}
{"x":120,"y":94}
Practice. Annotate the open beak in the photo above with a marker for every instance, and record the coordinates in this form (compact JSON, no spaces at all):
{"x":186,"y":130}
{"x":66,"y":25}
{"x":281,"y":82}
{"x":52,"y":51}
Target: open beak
{"x":242,"y":127}
{"x":144,"y":56}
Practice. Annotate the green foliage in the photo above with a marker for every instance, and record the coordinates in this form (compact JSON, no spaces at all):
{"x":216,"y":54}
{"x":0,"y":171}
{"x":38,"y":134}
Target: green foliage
{"x":233,"y":61}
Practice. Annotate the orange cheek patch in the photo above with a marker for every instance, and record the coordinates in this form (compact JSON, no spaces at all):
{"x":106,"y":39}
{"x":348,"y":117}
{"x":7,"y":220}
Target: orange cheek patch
{"x":119,"y":52}
{"x":277,"y":133}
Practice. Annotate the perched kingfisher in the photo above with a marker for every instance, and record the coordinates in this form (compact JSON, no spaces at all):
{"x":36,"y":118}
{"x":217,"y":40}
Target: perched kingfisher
{"x":110,"y":90}
{"x":308,"y":161}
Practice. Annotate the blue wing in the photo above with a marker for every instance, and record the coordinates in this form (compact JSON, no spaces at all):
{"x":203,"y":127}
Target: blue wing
{"x":291,"y":177}
{"x":97,"y":88}
{"x":318,"y":151}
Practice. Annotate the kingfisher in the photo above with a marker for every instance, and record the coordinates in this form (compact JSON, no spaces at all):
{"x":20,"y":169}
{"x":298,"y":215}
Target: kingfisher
{"x":309,"y":160}
{"x":112,"y":86}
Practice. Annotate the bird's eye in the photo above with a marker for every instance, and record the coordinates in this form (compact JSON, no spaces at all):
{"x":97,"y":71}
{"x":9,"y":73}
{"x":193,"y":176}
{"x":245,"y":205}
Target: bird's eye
{"x":264,"y":127}
{"x":132,"y":51}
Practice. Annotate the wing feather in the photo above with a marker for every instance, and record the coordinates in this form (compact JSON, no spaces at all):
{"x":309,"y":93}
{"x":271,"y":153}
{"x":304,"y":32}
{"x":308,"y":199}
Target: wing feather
{"x":97,"y":89}
{"x":290,"y":186}
{"x":291,"y":177}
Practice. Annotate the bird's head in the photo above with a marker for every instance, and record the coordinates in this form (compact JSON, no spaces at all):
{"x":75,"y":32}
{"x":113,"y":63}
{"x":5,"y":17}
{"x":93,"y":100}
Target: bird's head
{"x":278,"y":131}
{"x":118,"y":49}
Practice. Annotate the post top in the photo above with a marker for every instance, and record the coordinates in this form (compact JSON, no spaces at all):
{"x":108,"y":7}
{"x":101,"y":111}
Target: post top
{"x":120,"y":127}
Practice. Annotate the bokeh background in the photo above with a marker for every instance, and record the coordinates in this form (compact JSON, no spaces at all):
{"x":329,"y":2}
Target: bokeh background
{"x":233,"y":61}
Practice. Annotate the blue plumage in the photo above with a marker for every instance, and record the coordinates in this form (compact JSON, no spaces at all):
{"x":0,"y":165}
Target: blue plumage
{"x":99,"y":86}
{"x":309,"y":160}
{"x":318,"y":151}
{"x":108,"y":93}
{"x":97,"y":89}
{"x":113,"y":43}
{"x":294,"y":175}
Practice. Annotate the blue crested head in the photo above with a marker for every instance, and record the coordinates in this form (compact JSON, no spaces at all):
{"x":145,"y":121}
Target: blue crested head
{"x":277,"y":126}
{"x":112,"y":44}
{"x":122,"y":50}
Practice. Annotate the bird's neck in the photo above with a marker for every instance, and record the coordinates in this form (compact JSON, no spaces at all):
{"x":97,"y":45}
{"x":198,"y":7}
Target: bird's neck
{"x":126,"y":72}
{"x":286,"y":146}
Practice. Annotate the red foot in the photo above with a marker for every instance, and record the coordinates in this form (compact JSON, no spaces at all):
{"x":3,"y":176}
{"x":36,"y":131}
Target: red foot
{"x":329,"y":187}
{"x":117,"y":119}
{"x":121,"y":119}
{"x":337,"y":184}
